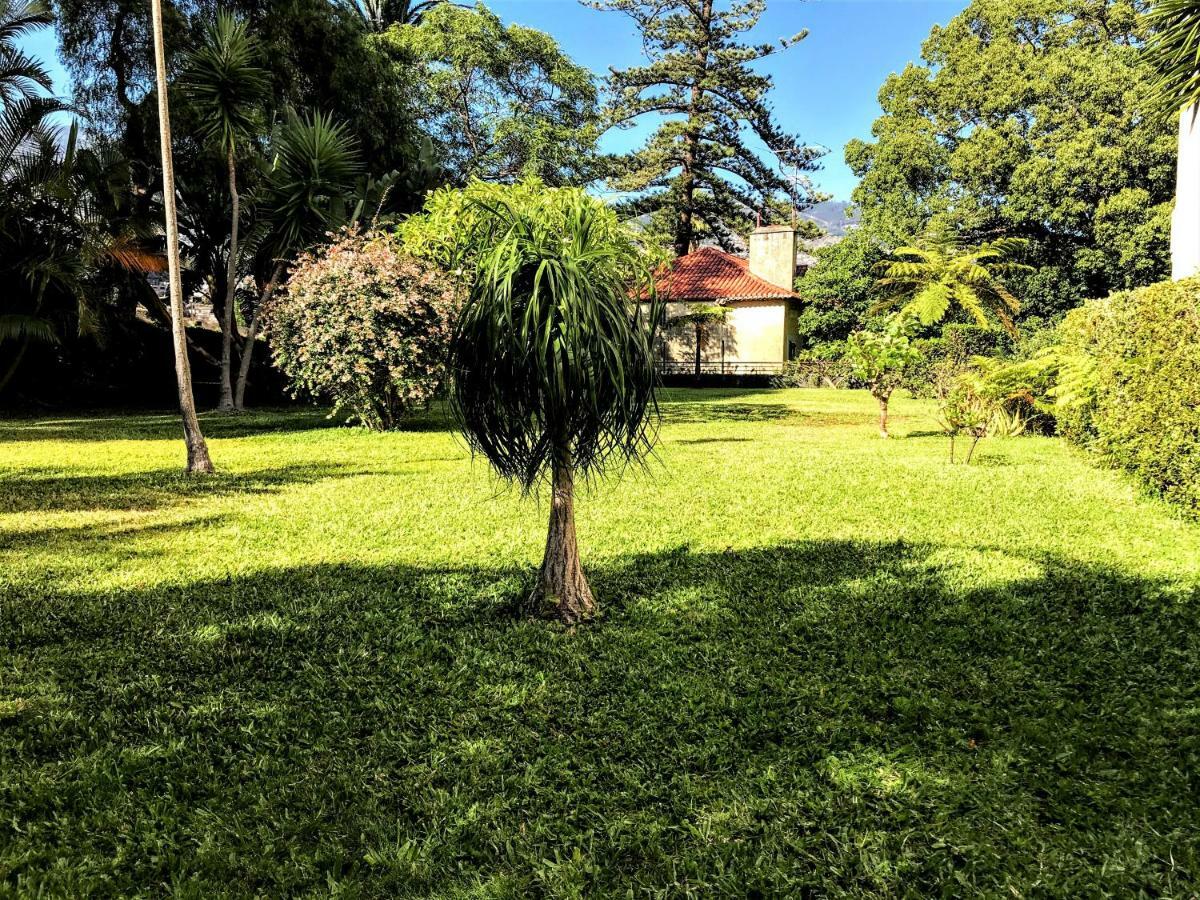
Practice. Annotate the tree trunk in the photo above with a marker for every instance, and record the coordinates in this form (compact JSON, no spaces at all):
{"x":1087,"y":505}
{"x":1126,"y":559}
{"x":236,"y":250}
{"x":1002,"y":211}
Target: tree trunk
{"x":562,"y":590}
{"x":971,"y":450}
{"x":951,"y":448}
{"x":239,"y":400}
{"x":230,"y":291}
{"x":1185,"y":220}
{"x":198,"y":460}
{"x":15,"y":364}
{"x":698,"y":339}
{"x":883,"y":416}
{"x":684,"y":226}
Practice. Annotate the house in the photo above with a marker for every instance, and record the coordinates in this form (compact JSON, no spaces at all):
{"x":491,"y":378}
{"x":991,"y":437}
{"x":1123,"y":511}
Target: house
{"x":755,"y":331}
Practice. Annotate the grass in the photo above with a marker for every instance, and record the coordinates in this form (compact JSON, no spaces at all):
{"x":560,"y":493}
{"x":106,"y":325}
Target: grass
{"x":827,"y":665}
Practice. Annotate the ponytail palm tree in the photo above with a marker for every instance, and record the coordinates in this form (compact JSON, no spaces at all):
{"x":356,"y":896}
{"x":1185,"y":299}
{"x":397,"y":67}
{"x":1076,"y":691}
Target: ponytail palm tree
{"x":1174,"y":50}
{"x":552,"y":364}
{"x":927,"y":279}
{"x":227,"y":87}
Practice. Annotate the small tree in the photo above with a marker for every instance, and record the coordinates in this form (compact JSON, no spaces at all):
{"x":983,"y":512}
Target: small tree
{"x":227,"y":87}
{"x":701,"y":318}
{"x":552,"y":363}
{"x":963,"y":407}
{"x":364,"y":326}
{"x":878,"y":359}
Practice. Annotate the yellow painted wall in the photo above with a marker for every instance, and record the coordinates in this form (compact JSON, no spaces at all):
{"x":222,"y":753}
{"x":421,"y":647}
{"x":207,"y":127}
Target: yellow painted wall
{"x":753,"y":332}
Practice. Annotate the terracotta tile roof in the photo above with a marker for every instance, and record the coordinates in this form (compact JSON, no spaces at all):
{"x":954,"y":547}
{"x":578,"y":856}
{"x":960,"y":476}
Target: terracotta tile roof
{"x":715,"y":276}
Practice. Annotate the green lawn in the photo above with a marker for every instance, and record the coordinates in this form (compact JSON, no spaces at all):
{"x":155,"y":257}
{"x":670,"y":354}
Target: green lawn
{"x":826,"y":664}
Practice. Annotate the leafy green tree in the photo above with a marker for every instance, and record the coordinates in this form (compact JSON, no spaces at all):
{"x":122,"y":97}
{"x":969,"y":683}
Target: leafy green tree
{"x":198,"y":461}
{"x":553,"y":369}
{"x":697,"y":176}
{"x":1033,"y":119}
{"x":939,"y":273}
{"x":503,"y":103}
{"x":839,"y":290}
{"x":227,"y":87}
{"x":878,"y":359}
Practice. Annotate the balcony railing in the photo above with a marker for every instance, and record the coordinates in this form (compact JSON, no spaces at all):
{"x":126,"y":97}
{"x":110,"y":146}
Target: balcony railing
{"x":718,"y":367}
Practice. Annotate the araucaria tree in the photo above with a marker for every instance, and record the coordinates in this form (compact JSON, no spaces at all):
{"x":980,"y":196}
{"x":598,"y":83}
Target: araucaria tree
{"x":552,"y":362}
{"x":697,"y":177}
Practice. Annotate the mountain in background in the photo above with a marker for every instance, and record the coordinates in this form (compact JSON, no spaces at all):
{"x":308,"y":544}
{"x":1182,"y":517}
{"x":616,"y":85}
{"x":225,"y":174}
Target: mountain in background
{"x":833,"y":216}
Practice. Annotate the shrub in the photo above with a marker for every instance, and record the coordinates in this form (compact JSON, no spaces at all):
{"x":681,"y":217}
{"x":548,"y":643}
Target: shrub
{"x":365,"y":327}
{"x":1129,"y":384}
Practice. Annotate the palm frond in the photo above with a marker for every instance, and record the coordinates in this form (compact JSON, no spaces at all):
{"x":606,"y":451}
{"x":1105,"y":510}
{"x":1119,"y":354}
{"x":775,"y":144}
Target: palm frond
{"x":16,"y":327}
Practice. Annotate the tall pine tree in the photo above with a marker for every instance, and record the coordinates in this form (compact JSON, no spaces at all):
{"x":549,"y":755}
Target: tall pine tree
{"x":697,"y":177}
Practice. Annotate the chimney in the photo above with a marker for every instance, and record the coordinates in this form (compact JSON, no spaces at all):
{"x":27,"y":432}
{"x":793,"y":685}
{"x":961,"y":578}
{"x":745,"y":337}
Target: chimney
{"x":773,"y":254}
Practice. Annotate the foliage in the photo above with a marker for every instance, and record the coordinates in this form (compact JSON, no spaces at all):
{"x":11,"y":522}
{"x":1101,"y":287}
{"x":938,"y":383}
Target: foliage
{"x":1031,"y":119}
{"x":939,"y":273}
{"x":503,"y":103}
{"x":878,"y":357}
{"x":314,"y":652}
{"x":840,"y":290}
{"x":552,"y":361}
{"x":965,"y":406}
{"x":1128,"y":385}
{"x":380,"y":15}
{"x":364,"y":327}
{"x":697,"y":177}
{"x":224,"y":82}
{"x":1172,"y":50}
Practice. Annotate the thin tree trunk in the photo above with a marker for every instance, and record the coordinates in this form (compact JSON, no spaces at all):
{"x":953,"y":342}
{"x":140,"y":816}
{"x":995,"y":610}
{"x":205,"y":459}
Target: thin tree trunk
{"x":883,"y":416}
{"x":239,"y":399}
{"x":198,"y":460}
{"x":562,"y":590}
{"x":15,"y":364}
{"x":230,"y":291}
{"x":971,"y":451}
{"x":698,"y":337}
{"x":1185,"y":220}
{"x":952,"y":449}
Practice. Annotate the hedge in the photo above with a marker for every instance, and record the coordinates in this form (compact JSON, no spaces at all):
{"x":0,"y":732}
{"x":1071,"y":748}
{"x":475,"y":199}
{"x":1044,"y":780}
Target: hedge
{"x":1137,"y":359}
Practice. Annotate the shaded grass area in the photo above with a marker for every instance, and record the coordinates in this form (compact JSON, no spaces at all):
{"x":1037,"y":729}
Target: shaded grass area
{"x":827,"y":664}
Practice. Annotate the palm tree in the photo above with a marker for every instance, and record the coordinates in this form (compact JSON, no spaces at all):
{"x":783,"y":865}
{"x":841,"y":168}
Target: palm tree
{"x":198,"y":460}
{"x":314,"y":168}
{"x":227,"y":88}
{"x":21,"y":75}
{"x":701,"y":317}
{"x":939,"y":272}
{"x":552,"y":366}
{"x":1174,"y":49}
{"x":379,"y":15}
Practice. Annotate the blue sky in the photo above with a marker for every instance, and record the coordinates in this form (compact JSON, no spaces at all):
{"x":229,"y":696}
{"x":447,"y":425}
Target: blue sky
{"x":825,"y":87}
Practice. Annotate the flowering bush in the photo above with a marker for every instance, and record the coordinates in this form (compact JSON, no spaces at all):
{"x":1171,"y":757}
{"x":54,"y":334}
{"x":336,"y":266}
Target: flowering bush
{"x":365,"y":327}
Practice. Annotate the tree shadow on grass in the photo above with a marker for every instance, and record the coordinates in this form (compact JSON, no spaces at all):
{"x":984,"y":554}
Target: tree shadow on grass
{"x":811,"y":718}
{"x":35,"y":490}
{"x":119,"y":426}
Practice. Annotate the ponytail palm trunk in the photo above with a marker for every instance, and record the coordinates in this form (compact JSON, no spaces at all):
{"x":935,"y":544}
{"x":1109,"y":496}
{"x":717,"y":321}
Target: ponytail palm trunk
{"x":561,"y":585}
{"x":198,"y":460}
{"x":552,"y":364}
